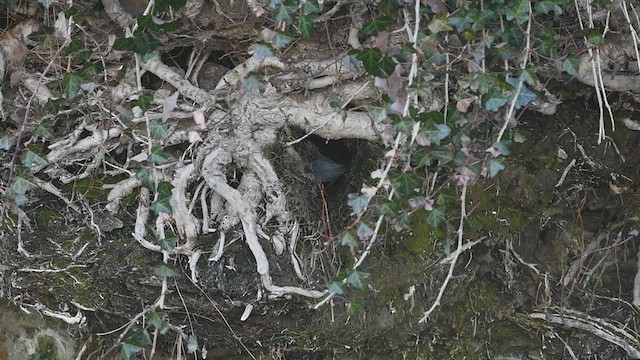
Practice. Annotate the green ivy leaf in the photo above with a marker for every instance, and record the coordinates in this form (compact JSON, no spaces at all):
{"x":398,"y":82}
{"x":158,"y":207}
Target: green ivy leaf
{"x":495,"y":166}
{"x":6,"y":141}
{"x":479,"y":18}
{"x":71,"y":83}
{"x":404,"y":183}
{"x":157,"y":155}
{"x":135,"y":342}
{"x":44,"y":130}
{"x":357,"y":279}
{"x":161,"y":205}
{"x":165,"y":5}
{"x":192,"y":344}
{"x":144,"y":101}
{"x":167,"y":271}
{"x":518,"y":11}
{"x":169,"y":243}
{"x":158,"y":319}
{"x":281,"y":40}
{"x":348,"y":240}
{"x":374,"y":26}
{"x":436,"y":216}
{"x":364,"y":232}
{"x":353,"y":307}
{"x":336,"y":287}
{"x":306,"y":24}
{"x":141,"y":43}
{"x":402,"y":124}
{"x":73,"y":46}
{"x":31,"y":158}
{"x":388,"y":209}
{"x":433,"y":134}
{"x":310,"y":7}
{"x":254,"y":81}
{"x":571,"y":64}
{"x":358,"y":202}
{"x":157,"y":130}
{"x":21,"y":185}
{"x":494,"y":100}
{"x":263,"y":51}
{"x":283,"y":14}
{"x":142,"y":175}
{"x":164,"y":189}
{"x":547,"y":7}
{"x":440,"y":23}
{"x":376,"y":63}
{"x":548,"y":48}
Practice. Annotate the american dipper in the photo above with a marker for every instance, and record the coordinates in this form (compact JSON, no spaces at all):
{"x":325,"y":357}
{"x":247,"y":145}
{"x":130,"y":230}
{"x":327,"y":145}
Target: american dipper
{"x":326,"y":170}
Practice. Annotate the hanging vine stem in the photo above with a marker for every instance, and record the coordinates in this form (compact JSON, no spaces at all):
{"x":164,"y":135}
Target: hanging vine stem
{"x":454,"y":260}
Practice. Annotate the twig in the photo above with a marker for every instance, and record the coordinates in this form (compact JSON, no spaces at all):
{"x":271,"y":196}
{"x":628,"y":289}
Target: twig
{"x":454,"y":260}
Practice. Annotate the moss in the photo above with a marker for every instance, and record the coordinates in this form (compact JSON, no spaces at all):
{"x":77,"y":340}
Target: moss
{"x":46,"y":349}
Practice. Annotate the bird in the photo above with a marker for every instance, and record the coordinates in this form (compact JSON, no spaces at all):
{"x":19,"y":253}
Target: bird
{"x":325,"y":170}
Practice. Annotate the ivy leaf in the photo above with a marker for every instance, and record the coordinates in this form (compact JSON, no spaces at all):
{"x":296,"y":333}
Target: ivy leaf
{"x":440,"y":23}
{"x":353,"y":307}
{"x":71,"y":83}
{"x":518,"y":11}
{"x":142,"y":175}
{"x":21,"y":185}
{"x":283,"y":14}
{"x":73,"y":46}
{"x":388,"y":209}
{"x":158,"y":319}
{"x":436,"y":216}
{"x":443,"y":156}
{"x":405,"y":183}
{"x":164,"y":189}
{"x":281,"y":39}
{"x":336,"y":287}
{"x":548,"y":47}
{"x":374,"y":26}
{"x":44,"y":130}
{"x":192,"y":344}
{"x":306,"y":24}
{"x":157,"y":155}
{"x":494,"y":99}
{"x":263,"y":51}
{"x":135,"y":342}
{"x":479,"y":18}
{"x":358,"y":202}
{"x":364,"y":232}
{"x":310,"y":7}
{"x":157,"y":130}
{"x":460,"y":21}
{"x":571,"y":64}
{"x":169,"y":243}
{"x":547,"y":7}
{"x":6,"y":141}
{"x":525,"y":95}
{"x":31,"y":158}
{"x":402,"y":124}
{"x":167,"y":271}
{"x":495,"y":166}
{"x":254,"y":81}
{"x":357,"y":279}
{"x":161,"y":205}
{"x":434,"y":135}
{"x":144,"y":101}
{"x":348,"y":240}
{"x":376,"y":63}
{"x":528,"y":75}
